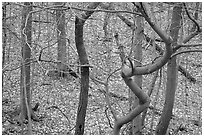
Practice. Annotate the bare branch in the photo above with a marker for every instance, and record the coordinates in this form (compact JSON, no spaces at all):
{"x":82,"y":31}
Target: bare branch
{"x":186,"y":74}
{"x":149,"y":68}
{"x":192,"y":35}
{"x":126,"y":21}
{"x":154,"y":26}
{"x":56,"y":107}
{"x":185,"y":51}
{"x":194,"y":21}
{"x":103,"y":10}
{"x":186,"y":46}
{"x":109,"y":122}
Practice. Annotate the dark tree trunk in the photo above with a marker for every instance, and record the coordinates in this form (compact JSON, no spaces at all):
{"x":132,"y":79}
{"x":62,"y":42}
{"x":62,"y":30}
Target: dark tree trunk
{"x":84,"y":77}
{"x":83,"y":97}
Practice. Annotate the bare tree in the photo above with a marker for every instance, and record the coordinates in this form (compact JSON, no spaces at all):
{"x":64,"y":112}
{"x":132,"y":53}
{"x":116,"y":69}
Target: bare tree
{"x":26,"y":110}
{"x":83,"y":97}
{"x":61,"y":36}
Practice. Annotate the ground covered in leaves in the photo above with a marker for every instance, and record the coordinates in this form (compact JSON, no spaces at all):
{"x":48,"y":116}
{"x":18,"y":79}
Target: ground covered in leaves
{"x":58,"y":102}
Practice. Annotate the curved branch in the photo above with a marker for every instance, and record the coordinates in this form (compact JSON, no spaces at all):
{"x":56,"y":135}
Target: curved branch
{"x":144,"y":101}
{"x":199,"y":30}
{"x":192,"y":35}
{"x":109,"y":122}
{"x":155,"y":27}
{"x":143,"y":70}
{"x":180,"y":68}
{"x":193,"y":20}
{"x":56,"y":107}
{"x":185,"y":51}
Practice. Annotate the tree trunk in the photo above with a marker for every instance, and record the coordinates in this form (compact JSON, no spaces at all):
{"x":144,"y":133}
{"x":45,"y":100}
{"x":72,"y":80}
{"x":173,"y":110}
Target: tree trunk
{"x":25,"y":93}
{"x":84,"y":77}
{"x":4,"y":36}
{"x":83,"y":97}
{"x":61,"y":37}
{"x":171,"y":75}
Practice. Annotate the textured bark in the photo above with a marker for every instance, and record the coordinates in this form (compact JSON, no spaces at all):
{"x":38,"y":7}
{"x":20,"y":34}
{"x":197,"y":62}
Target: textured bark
{"x":171,"y":75}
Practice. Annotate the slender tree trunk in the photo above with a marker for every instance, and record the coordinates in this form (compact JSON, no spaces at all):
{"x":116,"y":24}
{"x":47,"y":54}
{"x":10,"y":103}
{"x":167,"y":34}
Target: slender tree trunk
{"x":61,"y":37}
{"x":83,"y":97}
{"x":4,"y":36}
{"x":171,"y":75}
{"x":84,"y":77}
{"x":25,"y":69}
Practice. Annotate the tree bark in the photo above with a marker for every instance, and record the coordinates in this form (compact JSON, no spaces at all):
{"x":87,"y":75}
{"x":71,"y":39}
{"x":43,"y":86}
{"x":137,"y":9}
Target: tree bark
{"x":171,"y":75}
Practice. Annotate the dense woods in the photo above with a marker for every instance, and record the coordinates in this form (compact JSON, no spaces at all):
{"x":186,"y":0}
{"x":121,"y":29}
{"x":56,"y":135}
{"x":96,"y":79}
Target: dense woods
{"x":101,"y":68}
